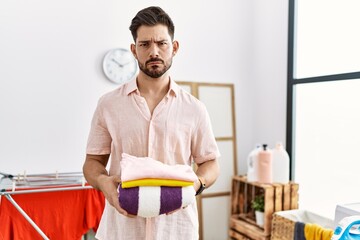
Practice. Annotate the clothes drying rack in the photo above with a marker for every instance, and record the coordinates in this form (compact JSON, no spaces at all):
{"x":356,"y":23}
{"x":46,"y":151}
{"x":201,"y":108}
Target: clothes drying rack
{"x":37,"y":183}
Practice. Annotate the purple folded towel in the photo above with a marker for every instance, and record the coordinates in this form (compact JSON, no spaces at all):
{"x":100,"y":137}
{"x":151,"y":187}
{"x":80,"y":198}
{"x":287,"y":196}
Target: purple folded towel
{"x":151,"y":201}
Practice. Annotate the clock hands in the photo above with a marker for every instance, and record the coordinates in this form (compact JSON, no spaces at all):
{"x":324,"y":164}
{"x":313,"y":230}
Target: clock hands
{"x":119,"y":64}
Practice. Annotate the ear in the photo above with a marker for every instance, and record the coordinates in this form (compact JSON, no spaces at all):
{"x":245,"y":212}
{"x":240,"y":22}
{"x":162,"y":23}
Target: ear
{"x":175,"y":47}
{"x":133,"y":50}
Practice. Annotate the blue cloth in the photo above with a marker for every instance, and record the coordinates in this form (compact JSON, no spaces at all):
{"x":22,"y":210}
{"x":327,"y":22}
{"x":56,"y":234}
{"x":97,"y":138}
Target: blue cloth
{"x":299,"y":233}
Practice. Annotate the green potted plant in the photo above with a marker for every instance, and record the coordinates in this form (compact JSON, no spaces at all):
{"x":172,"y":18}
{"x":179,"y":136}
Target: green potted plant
{"x":258,"y":204}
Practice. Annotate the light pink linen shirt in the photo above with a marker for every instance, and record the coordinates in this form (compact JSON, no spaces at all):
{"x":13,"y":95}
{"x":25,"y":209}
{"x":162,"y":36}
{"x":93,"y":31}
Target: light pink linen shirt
{"x":178,"y":132}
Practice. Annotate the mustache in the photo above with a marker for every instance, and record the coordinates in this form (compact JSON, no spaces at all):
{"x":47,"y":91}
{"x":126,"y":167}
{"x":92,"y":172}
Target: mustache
{"x":154,"y":60}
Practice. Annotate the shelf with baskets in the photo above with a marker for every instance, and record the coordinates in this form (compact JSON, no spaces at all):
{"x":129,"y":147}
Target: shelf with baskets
{"x":277,"y":197}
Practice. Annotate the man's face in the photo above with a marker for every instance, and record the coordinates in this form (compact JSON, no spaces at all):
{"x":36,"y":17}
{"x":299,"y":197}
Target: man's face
{"x":154,"y":50}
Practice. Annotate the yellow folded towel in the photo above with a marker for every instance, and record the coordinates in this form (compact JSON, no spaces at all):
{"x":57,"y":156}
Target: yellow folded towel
{"x":155,"y":182}
{"x":316,"y":232}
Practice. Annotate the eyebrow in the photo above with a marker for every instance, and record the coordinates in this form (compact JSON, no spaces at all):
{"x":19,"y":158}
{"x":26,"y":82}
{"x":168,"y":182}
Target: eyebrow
{"x":147,"y":41}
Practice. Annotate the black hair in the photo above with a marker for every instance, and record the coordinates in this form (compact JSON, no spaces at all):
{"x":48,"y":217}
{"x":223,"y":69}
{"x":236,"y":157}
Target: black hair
{"x":151,"y":16}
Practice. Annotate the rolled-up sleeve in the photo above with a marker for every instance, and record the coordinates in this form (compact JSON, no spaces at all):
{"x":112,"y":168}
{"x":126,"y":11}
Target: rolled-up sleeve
{"x":99,"y":140}
{"x":203,"y":144}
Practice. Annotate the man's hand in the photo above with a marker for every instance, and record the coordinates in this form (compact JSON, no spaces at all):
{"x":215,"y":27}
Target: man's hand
{"x":97,"y":176}
{"x":197,"y":185}
{"x":108,"y":185}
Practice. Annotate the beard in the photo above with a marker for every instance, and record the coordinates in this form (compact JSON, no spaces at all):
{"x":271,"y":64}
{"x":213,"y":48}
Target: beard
{"x":155,"y":71}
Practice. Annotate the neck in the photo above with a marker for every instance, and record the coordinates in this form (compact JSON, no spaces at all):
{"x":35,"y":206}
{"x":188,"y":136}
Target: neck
{"x":148,"y":85}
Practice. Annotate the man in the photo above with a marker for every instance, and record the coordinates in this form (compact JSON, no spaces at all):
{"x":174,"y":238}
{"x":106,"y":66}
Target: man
{"x":150,"y":117}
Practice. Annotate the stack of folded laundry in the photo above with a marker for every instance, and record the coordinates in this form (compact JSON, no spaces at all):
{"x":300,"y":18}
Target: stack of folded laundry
{"x":149,"y":187}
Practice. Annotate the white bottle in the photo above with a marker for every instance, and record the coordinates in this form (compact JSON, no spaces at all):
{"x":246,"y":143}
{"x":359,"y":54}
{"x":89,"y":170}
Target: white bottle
{"x":252,"y":158}
{"x":281,"y":164}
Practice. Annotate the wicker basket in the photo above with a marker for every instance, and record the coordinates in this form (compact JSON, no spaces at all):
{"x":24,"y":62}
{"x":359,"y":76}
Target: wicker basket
{"x":283,"y":223}
{"x":282,"y":228}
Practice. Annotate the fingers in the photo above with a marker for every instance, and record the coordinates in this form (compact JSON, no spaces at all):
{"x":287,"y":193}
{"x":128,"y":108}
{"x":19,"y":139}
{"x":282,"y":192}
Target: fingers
{"x":116,"y":179}
{"x":109,"y":188}
{"x":115,"y":203}
{"x":131,"y":216}
{"x":122,"y":211}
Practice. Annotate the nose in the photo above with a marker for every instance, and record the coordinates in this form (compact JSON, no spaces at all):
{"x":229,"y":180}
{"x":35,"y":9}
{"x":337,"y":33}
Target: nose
{"x":154,"y":50}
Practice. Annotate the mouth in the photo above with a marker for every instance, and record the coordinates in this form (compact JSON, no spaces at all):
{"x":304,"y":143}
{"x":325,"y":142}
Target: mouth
{"x":154,"y":62}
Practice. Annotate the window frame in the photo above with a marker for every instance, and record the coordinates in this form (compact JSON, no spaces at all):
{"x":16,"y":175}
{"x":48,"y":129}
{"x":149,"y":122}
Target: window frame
{"x":292,"y":82}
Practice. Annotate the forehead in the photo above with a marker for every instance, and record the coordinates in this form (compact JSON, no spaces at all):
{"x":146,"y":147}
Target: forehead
{"x":153,"y":33}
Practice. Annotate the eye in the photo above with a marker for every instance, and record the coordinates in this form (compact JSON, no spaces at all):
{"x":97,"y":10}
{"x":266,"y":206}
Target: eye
{"x":162,"y":43}
{"x":143,"y":44}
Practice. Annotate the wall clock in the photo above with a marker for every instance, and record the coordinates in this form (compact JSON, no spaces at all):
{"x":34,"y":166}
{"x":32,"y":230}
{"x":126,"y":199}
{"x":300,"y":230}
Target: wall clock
{"x":119,"y":65}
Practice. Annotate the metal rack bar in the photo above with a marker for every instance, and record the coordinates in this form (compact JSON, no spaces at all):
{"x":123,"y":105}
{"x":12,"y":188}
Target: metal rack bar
{"x":44,"y":190}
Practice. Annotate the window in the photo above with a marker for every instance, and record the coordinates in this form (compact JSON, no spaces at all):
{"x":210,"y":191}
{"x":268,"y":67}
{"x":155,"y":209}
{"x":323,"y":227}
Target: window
{"x":323,"y":131}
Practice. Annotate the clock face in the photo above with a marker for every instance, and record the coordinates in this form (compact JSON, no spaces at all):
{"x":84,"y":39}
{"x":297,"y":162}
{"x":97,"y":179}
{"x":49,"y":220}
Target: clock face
{"x":119,"y":65}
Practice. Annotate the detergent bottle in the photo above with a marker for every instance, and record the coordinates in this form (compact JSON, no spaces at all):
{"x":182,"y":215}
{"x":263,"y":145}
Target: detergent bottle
{"x":252,"y":158}
{"x":347,"y":229}
{"x":263,"y":165}
{"x":280,"y":164}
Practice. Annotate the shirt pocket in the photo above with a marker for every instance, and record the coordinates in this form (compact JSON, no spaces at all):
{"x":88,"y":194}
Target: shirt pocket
{"x":178,"y":138}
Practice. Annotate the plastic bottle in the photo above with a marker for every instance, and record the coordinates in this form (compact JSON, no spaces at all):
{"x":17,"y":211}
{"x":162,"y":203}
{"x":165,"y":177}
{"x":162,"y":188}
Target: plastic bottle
{"x":281,"y":164}
{"x":264,"y":165}
{"x":252,"y":158}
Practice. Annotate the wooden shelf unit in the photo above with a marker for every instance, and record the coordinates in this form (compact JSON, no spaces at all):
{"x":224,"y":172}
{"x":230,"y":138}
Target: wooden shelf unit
{"x":278,"y":197}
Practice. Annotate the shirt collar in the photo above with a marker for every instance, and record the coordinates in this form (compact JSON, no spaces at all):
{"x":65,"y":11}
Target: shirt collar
{"x":174,"y":88}
{"x":132,"y":87}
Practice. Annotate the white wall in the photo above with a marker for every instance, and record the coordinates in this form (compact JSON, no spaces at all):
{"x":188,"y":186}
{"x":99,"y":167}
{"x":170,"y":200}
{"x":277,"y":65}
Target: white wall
{"x":261,"y":85}
{"x":269,"y":70}
{"x":51,"y":77}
